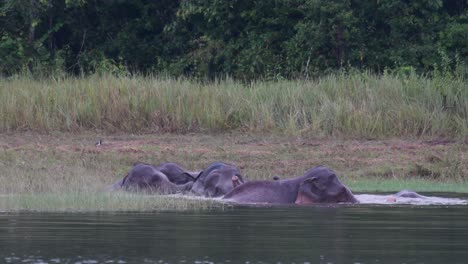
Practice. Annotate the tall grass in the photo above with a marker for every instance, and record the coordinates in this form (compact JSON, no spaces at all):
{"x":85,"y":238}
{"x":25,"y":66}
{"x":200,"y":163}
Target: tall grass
{"x":352,"y":104}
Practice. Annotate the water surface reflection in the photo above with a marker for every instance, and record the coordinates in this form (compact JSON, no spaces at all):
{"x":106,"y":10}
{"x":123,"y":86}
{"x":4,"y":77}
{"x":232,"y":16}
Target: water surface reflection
{"x":323,"y":234}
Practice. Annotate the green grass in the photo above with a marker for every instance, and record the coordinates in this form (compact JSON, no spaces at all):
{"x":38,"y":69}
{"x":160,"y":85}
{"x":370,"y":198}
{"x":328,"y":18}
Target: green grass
{"x":76,"y":202}
{"x":357,"y":105}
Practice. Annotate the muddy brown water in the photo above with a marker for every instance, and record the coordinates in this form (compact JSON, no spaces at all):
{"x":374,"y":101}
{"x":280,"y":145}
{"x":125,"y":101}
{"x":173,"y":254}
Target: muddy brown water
{"x":278,"y":234}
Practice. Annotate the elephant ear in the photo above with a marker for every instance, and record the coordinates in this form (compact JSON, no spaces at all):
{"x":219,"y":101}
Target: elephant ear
{"x":308,"y":192}
{"x":316,"y":183}
{"x":241,"y":179}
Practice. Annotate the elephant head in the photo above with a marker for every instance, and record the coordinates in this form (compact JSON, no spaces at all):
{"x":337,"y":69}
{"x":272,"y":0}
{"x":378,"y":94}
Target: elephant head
{"x":176,"y":174}
{"x":322,"y":186}
{"x":145,"y":178}
{"x":217,"y":179}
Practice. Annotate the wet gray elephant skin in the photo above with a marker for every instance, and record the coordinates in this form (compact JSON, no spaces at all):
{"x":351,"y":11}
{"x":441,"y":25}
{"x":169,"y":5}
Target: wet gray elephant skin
{"x":217,"y":179}
{"x":146,"y":178}
{"x":317,"y":185}
{"x":176,"y":174}
{"x":408,"y":197}
{"x":409,"y":194}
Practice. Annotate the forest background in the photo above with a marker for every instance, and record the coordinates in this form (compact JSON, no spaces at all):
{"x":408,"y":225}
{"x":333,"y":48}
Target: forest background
{"x":242,"y":39}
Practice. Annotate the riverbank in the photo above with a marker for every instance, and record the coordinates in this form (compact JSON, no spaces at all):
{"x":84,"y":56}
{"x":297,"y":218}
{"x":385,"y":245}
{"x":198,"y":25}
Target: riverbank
{"x":66,"y":172}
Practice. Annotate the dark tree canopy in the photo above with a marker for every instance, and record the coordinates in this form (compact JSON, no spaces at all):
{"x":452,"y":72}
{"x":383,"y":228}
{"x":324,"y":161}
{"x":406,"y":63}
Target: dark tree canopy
{"x":245,"y":39}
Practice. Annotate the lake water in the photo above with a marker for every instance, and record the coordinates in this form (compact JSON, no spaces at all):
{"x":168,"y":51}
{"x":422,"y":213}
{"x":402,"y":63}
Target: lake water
{"x":320,"y":234}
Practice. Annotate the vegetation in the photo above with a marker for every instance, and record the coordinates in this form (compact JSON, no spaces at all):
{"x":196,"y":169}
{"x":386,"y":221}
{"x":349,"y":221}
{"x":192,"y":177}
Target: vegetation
{"x":359,"y":105}
{"x":66,"y":172}
{"x":94,"y":201}
{"x":272,"y":39}
{"x":309,"y":76}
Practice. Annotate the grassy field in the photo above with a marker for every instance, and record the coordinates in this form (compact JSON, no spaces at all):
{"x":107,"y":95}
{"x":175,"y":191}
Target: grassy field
{"x":66,"y":171}
{"x":380,"y":133}
{"x":353,"y":105}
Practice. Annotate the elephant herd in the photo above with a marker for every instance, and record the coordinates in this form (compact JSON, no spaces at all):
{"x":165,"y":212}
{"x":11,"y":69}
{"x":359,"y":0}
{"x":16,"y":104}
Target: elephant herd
{"x":318,"y":185}
{"x":219,"y":179}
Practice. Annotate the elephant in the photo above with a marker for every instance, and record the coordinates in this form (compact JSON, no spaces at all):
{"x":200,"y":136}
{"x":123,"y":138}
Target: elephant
{"x":176,"y":174}
{"x":172,"y":171}
{"x":146,"y":178}
{"x":217,"y":179}
{"x":407,"y":197}
{"x":409,"y":194}
{"x":317,"y":185}
{"x":404,"y":194}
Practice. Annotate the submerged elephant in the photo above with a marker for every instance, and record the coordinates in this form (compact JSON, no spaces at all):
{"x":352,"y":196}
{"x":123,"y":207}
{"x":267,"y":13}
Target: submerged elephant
{"x":408,"y":197}
{"x":395,"y":197}
{"x":317,"y":185}
{"x":146,"y":178}
{"x":409,"y":194}
{"x":217,"y":179}
{"x":176,"y":174}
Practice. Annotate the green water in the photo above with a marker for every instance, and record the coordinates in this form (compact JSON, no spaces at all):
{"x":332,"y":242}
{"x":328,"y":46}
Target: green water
{"x":349,"y":234}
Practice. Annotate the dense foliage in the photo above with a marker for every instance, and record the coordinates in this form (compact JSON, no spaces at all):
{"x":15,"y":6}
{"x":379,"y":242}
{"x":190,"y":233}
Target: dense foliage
{"x":241,"y":38}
